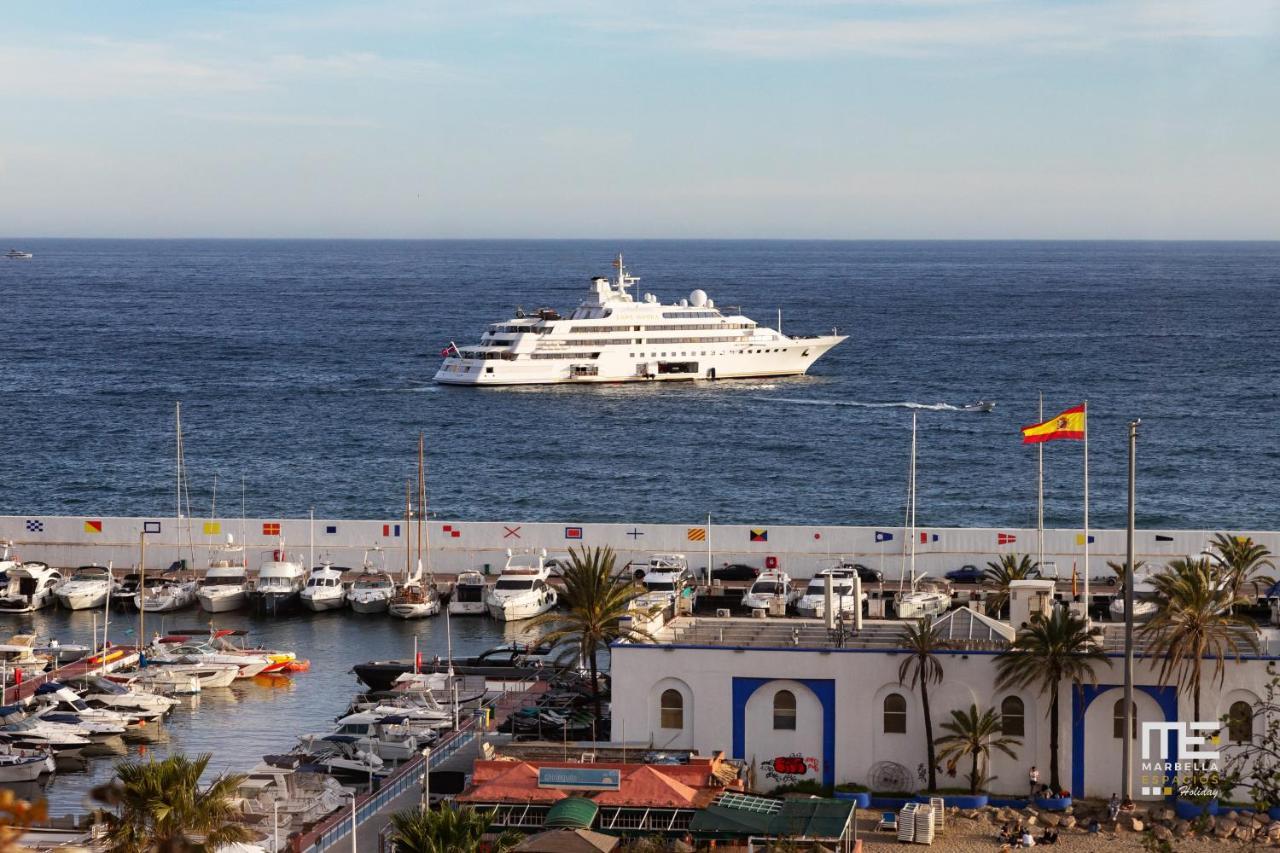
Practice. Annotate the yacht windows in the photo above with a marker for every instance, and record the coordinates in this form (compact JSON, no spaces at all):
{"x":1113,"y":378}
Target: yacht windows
{"x":895,"y":714}
{"x":660,"y":586}
{"x":784,"y":710}
{"x":564,"y":355}
{"x":680,"y":315}
{"x":1012,"y":716}
{"x":581,"y":330}
{"x":671,"y":710}
{"x":512,"y":583}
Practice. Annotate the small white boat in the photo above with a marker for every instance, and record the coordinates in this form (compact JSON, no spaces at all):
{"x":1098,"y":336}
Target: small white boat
{"x":162,"y":680}
{"x":19,"y":655}
{"x":18,"y":255}
{"x":468,"y":594}
{"x":101,"y":692}
{"x":179,"y":650}
{"x":324,"y":589}
{"x":169,"y":594}
{"x":86,"y":589}
{"x":813,"y":603}
{"x":979,"y":406}
{"x":522,"y":590}
{"x":23,"y":765}
{"x":30,"y":586}
{"x":767,"y":589}
{"x":923,"y":602}
{"x":1143,"y":608}
{"x":389,"y":737}
{"x":667,"y":576}
{"x":371,"y":593}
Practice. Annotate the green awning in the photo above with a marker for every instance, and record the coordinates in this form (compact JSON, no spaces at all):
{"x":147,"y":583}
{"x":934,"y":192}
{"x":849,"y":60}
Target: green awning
{"x":815,"y":818}
{"x":572,"y":813}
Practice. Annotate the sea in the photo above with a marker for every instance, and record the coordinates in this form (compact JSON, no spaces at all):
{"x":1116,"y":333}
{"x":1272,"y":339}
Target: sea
{"x":304,"y":371}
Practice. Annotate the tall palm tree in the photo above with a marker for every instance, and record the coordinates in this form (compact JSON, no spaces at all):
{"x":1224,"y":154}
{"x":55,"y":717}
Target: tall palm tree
{"x":1121,"y":570}
{"x":160,"y":806}
{"x":1000,"y":574}
{"x":974,"y":735}
{"x":446,"y":830}
{"x":596,"y":599}
{"x":1046,"y":653}
{"x":1240,"y":561}
{"x":921,"y":641}
{"x":1194,"y":621}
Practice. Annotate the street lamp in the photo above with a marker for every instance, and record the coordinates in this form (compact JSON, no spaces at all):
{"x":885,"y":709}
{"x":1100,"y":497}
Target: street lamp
{"x":426,"y":779}
{"x":1126,"y":757}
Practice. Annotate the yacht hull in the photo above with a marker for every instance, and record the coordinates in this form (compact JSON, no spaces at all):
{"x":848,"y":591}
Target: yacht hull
{"x":320,"y":605}
{"x":87,"y":600}
{"x":274,"y":603}
{"x":223,"y":603}
{"x":369,"y":606}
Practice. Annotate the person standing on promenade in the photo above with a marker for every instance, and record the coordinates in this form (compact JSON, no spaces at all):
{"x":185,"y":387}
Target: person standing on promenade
{"x":1034,"y":778}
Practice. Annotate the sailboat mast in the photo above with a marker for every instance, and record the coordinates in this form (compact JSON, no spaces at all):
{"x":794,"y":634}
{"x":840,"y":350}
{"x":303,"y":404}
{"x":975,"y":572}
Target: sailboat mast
{"x":912,"y":500}
{"x":422,"y":496}
{"x":1040,"y":493}
{"x":408,"y":514}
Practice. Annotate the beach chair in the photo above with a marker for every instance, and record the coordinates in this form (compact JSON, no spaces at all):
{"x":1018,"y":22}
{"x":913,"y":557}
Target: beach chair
{"x":888,"y":822}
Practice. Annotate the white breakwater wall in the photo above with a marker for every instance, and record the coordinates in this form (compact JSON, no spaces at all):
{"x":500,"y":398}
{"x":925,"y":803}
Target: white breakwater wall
{"x":67,"y":541}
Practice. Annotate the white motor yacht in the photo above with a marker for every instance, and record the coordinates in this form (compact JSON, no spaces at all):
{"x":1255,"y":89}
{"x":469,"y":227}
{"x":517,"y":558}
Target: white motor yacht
{"x":371,"y":592}
{"x":278,"y":586}
{"x":275,"y":795}
{"x":166,"y":595}
{"x":324,"y":589}
{"x":666,"y":579}
{"x":19,"y":655}
{"x":33,"y":733}
{"x":1144,"y":606}
{"x":468,"y":595}
{"x":100,"y":692}
{"x":87,"y":588}
{"x":522,"y":590}
{"x":613,"y":337}
{"x":18,"y":255}
{"x":813,"y":603}
{"x":923,"y":602}
{"x":166,"y":651}
{"x":223,"y":588}
{"x":29,"y":586}
{"x":387,"y":736}
{"x":768,"y":590}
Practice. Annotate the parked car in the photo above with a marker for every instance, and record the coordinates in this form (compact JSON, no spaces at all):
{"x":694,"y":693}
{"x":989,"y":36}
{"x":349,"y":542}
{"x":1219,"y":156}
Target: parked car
{"x":966,"y":574}
{"x":735,"y":572}
{"x":866,"y":574}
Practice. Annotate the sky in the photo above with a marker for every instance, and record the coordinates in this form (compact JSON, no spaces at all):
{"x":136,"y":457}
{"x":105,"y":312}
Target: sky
{"x":844,"y":119}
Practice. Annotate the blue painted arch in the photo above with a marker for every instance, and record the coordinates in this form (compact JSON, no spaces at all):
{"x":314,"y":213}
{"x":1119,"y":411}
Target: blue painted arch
{"x":823,"y":688}
{"x":1166,"y":697}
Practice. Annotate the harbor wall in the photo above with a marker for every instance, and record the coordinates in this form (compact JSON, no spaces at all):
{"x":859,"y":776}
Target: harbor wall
{"x":800,"y":550}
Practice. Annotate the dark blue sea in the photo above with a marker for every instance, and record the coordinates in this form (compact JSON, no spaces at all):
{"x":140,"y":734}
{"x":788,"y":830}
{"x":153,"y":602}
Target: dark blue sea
{"x":305,"y":368}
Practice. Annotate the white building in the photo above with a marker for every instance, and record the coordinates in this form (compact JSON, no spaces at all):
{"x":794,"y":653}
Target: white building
{"x":763,"y":690}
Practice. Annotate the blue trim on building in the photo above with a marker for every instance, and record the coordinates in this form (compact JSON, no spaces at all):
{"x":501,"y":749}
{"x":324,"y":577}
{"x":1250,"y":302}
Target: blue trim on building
{"x":1166,"y":697}
{"x":826,"y":651}
{"x":823,"y":688}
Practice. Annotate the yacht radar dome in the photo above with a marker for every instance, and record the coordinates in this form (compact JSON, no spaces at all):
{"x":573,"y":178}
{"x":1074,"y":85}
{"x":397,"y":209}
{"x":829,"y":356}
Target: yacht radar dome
{"x":698,"y":299}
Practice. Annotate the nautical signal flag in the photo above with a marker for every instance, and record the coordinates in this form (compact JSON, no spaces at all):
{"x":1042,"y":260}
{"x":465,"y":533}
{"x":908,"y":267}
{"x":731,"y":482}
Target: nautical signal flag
{"x":1006,"y":538}
{"x":270,"y":528}
{"x":330,"y":529}
{"x":697,"y":534}
{"x":1160,"y":537}
{"x":150,"y":527}
{"x":92,"y":525}
{"x":928,"y":537}
{"x":1069,"y":424}
{"x":759,"y":534}
{"x":453,"y":532}
{"x":573,"y":533}
{"x":35,"y":525}
{"x":1080,"y":539}
{"x":390,"y":530}
{"x":881,"y":536}
{"x":212,"y":528}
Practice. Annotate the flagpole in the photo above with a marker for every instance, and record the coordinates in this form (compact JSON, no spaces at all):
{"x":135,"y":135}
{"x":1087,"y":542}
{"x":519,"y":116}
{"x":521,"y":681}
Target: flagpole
{"x":1086,"y":512}
{"x":1040,"y":493}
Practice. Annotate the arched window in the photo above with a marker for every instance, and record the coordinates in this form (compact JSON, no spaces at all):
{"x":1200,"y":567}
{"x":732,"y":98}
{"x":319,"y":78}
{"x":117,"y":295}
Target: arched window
{"x":671,"y":710}
{"x":1117,"y":721}
{"x":1240,"y":722}
{"x":895,"y":714}
{"x":784,"y":710}
{"x":1012,"y":714}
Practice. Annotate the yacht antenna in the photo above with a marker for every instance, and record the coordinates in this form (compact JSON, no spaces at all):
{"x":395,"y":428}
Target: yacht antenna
{"x":621,"y":271}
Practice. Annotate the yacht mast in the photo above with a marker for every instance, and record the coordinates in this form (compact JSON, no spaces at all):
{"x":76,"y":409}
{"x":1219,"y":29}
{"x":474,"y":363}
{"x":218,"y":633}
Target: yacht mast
{"x":408,"y":513}
{"x":422,"y":506}
{"x":912,"y":501}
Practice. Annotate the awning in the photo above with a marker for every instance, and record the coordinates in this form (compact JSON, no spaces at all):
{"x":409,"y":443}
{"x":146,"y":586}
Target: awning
{"x":572,"y":813}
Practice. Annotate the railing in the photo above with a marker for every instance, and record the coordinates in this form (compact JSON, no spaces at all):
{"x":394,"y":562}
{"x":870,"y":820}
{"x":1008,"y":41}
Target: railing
{"x":20,"y":691}
{"x":408,"y":776}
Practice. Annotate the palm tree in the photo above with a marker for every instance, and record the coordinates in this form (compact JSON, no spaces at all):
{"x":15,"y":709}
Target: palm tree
{"x":921,"y":641}
{"x":1044,"y":654}
{"x":446,"y":830}
{"x":597,"y":599}
{"x":1000,"y":574}
{"x":160,"y":806}
{"x":974,"y":735}
{"x":1121,"y":571}
{"x":1193,"y":622}
{"x":1240,"y":561}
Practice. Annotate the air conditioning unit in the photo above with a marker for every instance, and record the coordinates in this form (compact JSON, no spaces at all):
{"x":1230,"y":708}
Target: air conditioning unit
{"x":722,"y":612}
{"x":758,"y":613}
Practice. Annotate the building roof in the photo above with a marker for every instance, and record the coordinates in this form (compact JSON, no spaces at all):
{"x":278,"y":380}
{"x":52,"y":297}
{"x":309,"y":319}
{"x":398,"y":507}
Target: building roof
{"x":652,"y":788}
{"x":740,"y":633}
{"x":572,"y":813}
{"x":814,"y":818}
{"x":508,"y":782}
{"x":965,"y":624}
{"x":569,"y":841}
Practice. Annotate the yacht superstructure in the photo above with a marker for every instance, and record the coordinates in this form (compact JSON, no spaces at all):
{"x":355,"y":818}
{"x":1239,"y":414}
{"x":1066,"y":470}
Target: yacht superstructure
{"x":612,"y":337}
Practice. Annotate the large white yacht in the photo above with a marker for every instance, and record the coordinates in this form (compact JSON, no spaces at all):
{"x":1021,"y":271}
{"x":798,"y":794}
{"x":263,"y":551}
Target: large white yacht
{"x":28,"y":587}
{"x":87,"y":588}
{"x":521,"y":591}
{"x":612,"y":337}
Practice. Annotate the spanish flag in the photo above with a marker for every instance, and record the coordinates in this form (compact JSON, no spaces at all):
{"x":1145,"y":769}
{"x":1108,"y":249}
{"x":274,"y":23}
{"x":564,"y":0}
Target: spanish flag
{"x":1069,"y":424}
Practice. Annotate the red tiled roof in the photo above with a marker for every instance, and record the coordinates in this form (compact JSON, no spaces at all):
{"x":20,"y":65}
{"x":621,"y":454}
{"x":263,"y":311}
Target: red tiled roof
{"x":649,"y":787}
{"x":643,"y":785}
{"x":508,"y":782}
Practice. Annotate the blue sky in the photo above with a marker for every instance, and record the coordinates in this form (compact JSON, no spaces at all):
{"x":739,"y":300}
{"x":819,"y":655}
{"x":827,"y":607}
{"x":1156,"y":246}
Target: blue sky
{"x":567,"y":118}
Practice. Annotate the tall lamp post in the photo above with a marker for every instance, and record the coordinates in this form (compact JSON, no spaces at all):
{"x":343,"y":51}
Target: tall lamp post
{"x":426,"y":779}
{"x":1126,"y":758}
